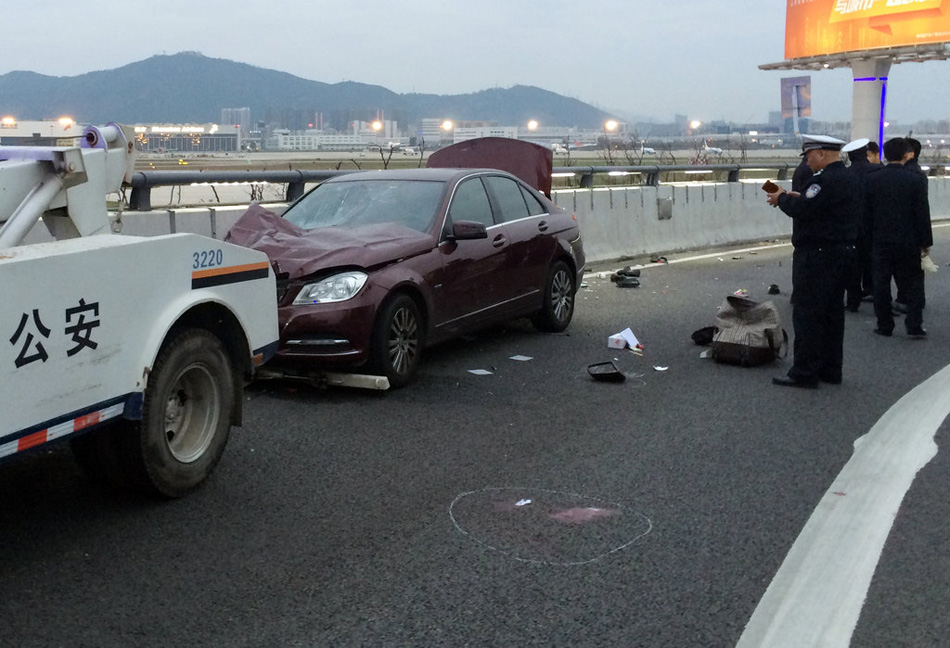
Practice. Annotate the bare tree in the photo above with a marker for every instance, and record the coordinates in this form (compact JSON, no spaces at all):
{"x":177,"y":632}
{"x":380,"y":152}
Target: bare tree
{"x":667,"y":152}
{"x":633,"y":151}
{"x":422,"y":150}
{"x":698,"y":156}
{"x":387,"y":156}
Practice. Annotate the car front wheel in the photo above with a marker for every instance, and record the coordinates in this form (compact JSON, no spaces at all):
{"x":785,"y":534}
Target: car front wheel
{"x":557,"y":309}
{"x":398,"y":339}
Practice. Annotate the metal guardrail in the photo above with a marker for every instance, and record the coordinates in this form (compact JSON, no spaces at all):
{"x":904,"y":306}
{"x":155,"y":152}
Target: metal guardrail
{"x":652,"y":173}
{"x":143,"y":181}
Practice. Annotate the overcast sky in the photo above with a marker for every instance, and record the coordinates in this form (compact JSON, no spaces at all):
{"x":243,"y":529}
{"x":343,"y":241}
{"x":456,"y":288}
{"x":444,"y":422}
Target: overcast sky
{"x":638,"y":58}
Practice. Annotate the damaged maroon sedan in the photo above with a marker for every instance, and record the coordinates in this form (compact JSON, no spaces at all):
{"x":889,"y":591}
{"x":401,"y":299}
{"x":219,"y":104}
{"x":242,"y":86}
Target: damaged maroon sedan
{"x":374,"y":266}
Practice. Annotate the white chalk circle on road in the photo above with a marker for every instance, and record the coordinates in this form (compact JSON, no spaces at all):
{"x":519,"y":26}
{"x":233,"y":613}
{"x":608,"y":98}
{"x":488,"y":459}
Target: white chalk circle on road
{"x":545,"y":526}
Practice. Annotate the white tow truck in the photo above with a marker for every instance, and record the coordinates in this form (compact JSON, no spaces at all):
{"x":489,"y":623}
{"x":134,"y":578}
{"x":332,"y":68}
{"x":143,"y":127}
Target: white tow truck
{"x":136,"y":348}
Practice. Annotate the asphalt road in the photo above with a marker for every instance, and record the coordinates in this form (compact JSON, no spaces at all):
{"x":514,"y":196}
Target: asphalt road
{"x":528,"y":507}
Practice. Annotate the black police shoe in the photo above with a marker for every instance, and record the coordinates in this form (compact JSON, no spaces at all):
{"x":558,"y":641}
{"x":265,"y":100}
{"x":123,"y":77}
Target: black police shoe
{"x":917,"y":333}
{"x":788,"y":381}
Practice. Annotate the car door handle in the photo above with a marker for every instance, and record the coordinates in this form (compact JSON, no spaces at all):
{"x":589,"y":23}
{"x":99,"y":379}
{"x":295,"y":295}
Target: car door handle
{"x":543,"y":226}
{"x":499,"y":241}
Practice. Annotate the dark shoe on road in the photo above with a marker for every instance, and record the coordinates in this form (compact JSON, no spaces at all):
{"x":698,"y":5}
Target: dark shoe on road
{"x":788,"y":381}
{"x":884,"y":332}
{"x":917,"y":333}
{"x":830,"y":379}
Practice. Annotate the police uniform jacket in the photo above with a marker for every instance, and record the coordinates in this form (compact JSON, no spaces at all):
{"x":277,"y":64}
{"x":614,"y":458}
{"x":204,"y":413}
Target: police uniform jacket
{"x":828,"y":212}
{"x":861,"y":168}
{"x":899,"y":208}
{"x":801,"y":176}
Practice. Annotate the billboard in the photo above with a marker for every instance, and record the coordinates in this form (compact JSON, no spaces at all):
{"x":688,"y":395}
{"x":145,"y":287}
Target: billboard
{"x":818,"y":27}
{"x":796,"y":97}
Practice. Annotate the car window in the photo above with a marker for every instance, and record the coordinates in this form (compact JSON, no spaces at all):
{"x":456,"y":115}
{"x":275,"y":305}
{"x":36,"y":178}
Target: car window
{"x":507,"y":193}
{"x":535,"y":207}
{"x":470,"y":203}
{"x":356,"y":203}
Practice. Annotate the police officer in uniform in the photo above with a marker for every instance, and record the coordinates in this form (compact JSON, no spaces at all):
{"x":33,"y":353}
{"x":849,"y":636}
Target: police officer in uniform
{"x":859,"y":287}
{"x":900,"y":215}
{"x":801,"y":176}
{"x":825,"y":221}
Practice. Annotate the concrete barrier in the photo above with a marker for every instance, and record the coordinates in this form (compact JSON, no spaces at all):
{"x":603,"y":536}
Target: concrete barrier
{"x":626,"y":222}
{"x":616,"y":222}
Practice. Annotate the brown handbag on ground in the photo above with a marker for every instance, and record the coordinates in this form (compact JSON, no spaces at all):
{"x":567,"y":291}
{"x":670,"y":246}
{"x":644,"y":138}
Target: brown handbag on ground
{"x":748,"y":333}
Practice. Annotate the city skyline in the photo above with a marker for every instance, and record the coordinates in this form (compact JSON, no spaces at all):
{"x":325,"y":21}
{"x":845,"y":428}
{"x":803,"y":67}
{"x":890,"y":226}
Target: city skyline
{"x":694,"y":58}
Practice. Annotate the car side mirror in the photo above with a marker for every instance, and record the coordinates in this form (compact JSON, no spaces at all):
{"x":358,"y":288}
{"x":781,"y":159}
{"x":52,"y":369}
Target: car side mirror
{"x":468,"y":230}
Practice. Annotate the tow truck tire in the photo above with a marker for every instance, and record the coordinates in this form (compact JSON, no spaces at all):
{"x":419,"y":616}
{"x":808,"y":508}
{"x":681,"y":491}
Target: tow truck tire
{"x":186,"y":418}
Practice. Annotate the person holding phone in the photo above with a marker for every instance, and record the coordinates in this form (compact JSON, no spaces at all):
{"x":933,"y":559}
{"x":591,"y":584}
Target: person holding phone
{"x":825,"y":220}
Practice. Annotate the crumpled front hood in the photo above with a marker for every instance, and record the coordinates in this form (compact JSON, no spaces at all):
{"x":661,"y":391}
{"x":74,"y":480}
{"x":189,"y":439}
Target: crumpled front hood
{"x":301,"y":252}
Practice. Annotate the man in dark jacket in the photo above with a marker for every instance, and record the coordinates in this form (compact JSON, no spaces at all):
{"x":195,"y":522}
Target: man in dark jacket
{"x":824,"y":233}
{"x":900,"y":217}
{"x":913,"y":163}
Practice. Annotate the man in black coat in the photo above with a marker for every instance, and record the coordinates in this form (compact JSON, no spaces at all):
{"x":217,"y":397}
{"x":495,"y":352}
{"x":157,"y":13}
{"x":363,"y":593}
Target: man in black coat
{"x":824,"y":234}
{"x":900,"y":217}
{"x":913,"y":163}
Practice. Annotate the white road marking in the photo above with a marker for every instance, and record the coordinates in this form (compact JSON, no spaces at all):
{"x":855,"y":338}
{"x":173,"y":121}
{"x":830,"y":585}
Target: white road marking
{"x":817,"y":594}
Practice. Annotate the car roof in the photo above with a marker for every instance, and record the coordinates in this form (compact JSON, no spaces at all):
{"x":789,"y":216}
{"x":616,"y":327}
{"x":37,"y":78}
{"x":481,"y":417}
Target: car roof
{"x":431,"y":174}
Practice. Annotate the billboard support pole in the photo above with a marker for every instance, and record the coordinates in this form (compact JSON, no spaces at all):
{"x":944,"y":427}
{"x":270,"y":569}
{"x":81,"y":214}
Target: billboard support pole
{"x":869,"y":97}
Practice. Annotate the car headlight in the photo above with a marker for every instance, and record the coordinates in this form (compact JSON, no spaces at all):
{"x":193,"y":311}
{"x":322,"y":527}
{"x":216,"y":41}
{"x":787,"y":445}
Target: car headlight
{"x":337,"y":288}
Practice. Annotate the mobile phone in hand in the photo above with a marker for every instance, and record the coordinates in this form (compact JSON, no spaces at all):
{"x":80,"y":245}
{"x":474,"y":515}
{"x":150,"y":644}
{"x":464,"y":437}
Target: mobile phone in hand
{"x":770,"y":187}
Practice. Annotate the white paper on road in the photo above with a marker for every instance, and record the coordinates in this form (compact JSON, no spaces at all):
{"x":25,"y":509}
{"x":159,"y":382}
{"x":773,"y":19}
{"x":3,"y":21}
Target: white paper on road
{"x":480,"y":372}
{"x":816,"y":597}
{"x":631,"y":339}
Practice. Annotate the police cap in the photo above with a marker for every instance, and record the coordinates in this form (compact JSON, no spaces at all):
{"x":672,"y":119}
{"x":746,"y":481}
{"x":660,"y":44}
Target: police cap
{"x":822,"y":142}
{"x":855,"y":145}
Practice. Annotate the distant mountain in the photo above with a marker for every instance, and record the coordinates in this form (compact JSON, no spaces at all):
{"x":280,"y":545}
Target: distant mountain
{"x":190,"y":87}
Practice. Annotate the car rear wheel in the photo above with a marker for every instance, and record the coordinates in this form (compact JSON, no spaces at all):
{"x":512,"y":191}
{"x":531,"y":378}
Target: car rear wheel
{"x":398,"y":340}
{"x":557,"y":309}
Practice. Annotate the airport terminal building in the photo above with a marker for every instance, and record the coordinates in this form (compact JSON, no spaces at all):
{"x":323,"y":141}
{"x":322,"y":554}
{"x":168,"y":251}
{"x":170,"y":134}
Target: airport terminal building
{"x":188,"y":138}
{"x":152,"y":138}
